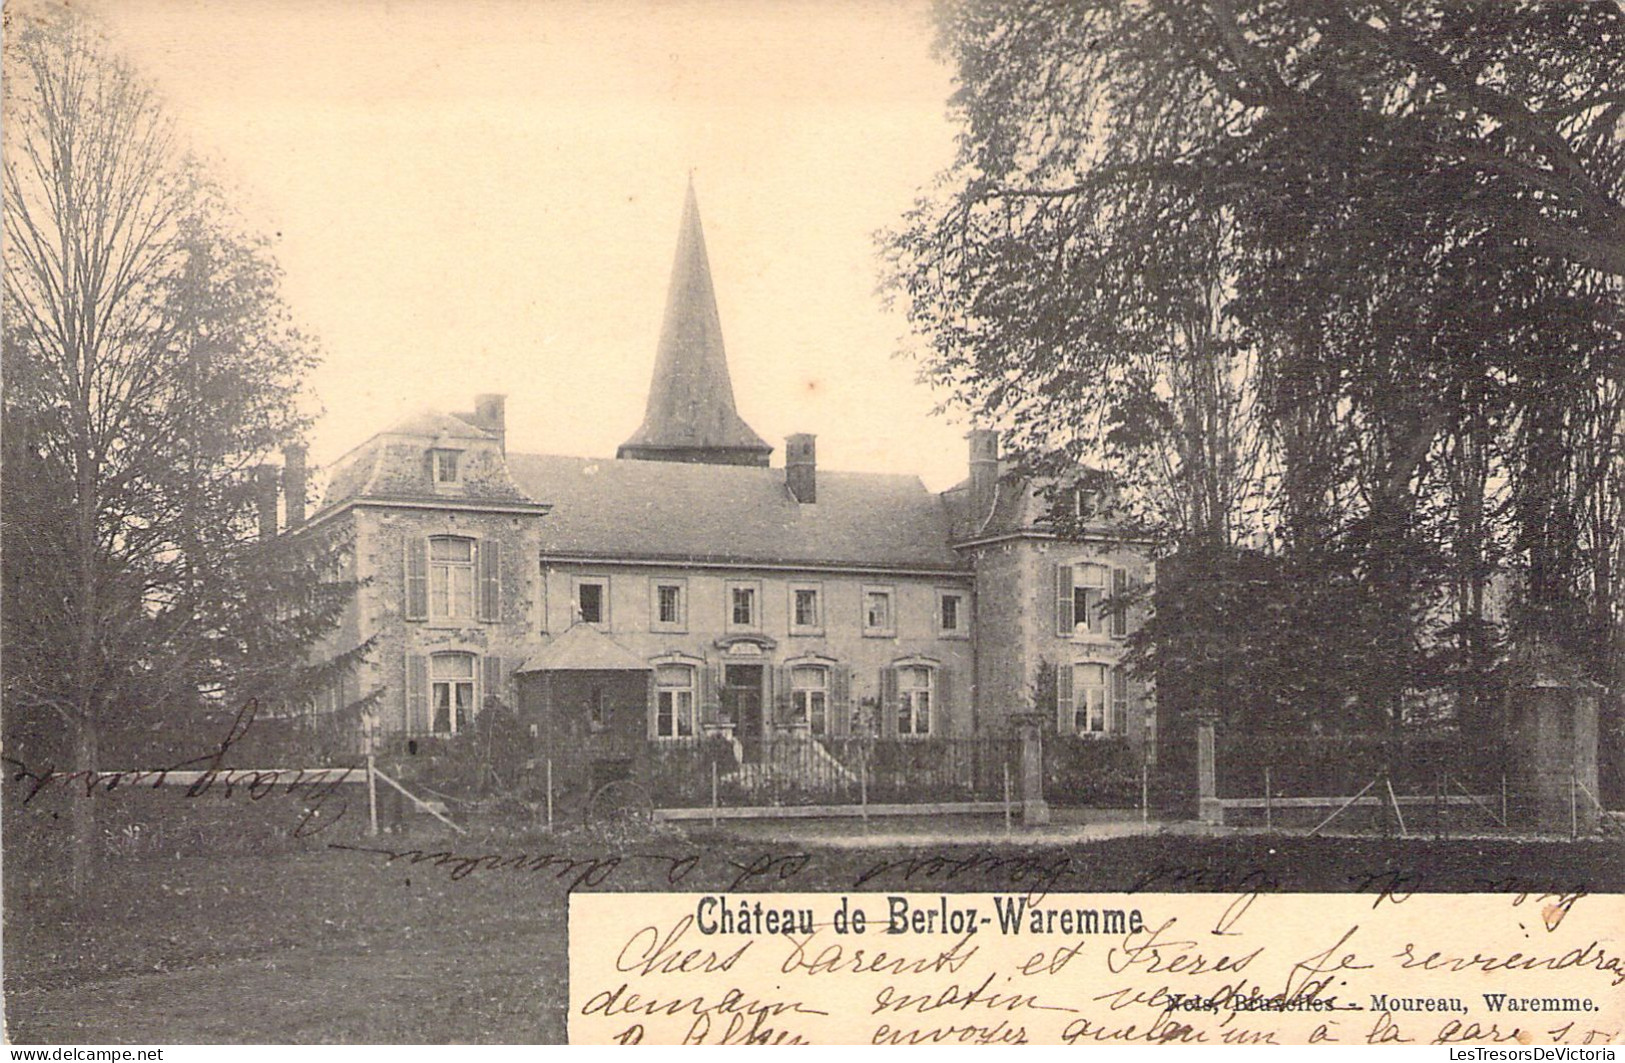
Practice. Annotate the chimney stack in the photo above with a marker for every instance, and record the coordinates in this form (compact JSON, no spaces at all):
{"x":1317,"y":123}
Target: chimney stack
{"x":801,"y":467}
{"x":293,"y":484}
{"x":984,"y":472}
{"x":265,"y":490}
{"x":491,"y":414}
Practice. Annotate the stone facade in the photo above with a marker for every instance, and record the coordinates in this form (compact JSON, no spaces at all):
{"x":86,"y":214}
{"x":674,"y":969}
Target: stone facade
{"x":756,"y":601}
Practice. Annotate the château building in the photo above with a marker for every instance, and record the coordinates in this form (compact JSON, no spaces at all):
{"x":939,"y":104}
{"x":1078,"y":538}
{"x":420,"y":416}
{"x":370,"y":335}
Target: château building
{"x":748,"y":598}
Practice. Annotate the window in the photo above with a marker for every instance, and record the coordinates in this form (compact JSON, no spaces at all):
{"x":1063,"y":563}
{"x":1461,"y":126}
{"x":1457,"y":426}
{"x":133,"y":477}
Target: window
{"x":592,"y":601}
{"x":1088,"y":592}
{"x":914,"y":683}
{"x":597,"y":710}
{"x":878,"y":615}
{"x":1090,"y":598}
{"x":669,"y":608}
{"x":952,"y":620}
{"x":1092,"y":699}
{"x":744,"y":606}
{"x":674,"y":701}
{"x":809,"y":697}
{"x":806,"y":609}
{"x":451,"y":692}
{"x":445,"y":466}
{"x":451,"y":578}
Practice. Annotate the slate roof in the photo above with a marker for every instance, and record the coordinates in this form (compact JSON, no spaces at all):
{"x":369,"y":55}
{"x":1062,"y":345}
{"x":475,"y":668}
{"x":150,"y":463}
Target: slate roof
{"x":691,"y":401}
{"x":690,"y":513}
{"x":1019,"y":505}
{"x":584,"y":648}
{"x":392,"y":466}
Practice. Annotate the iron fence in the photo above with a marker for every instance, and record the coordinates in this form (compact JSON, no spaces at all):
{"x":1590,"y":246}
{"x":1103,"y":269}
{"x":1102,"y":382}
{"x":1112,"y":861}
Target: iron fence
{"x":787,"y":770}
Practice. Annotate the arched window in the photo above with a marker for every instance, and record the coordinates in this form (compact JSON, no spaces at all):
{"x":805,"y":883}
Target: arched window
{"x":451,"y":692}
{"x":916,"y":689}
{"x":674,"y":701}
{"x":1091,"y":699}
{"x":809,"y":697}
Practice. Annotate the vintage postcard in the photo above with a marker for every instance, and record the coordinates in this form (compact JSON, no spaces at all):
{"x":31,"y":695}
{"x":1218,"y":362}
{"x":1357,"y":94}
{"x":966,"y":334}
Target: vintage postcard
{"x":757,"y":522}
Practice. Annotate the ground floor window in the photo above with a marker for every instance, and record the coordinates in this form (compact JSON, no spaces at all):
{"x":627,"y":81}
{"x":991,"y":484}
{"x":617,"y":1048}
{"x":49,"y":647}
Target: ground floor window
{"x":451,"y":692}
{"x":809,"y":697}
{"x":1092,"y":699}
{"x":914,"y":695}
{"x":674,"y":701}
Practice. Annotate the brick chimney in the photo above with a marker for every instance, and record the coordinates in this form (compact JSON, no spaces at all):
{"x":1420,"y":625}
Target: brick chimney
{"x":801,"y":467}
{"x":984,"y":472}
{"x":491,"y":414}
{"x":294,"y":484}
{"x":265,"y":491}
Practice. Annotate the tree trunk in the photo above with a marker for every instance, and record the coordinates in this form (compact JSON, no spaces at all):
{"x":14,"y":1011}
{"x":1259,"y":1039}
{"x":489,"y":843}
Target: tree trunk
{"x":83,"y":804}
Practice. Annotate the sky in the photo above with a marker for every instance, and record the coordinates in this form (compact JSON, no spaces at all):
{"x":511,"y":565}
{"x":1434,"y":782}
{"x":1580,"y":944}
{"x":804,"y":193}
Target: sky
{"x":483,"y":196}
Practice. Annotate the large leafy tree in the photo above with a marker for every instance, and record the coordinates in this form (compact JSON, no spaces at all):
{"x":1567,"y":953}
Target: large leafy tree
{"x":150,"y":367}
{"x":1340,"y":277}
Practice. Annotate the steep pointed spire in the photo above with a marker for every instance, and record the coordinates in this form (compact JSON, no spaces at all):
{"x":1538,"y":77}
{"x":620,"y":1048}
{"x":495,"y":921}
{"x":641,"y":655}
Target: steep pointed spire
{"x":690,"y":416}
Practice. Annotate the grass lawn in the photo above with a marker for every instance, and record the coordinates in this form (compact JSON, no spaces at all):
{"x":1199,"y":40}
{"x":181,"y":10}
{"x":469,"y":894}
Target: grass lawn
{"x":334,"y":945}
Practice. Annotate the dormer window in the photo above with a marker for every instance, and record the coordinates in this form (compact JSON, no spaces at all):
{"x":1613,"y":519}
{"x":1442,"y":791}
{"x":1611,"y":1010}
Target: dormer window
{"x":445,"y":466}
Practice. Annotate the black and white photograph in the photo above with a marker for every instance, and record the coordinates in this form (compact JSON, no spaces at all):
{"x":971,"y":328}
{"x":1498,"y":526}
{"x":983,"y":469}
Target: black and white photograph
{"x":769,"y":521}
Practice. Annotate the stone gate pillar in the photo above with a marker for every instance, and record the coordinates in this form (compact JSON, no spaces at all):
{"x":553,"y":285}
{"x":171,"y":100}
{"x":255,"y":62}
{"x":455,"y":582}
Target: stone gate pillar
{"x":1029,"y":729}
{"x":1552,"y":734}
{"x":1208,"y":807}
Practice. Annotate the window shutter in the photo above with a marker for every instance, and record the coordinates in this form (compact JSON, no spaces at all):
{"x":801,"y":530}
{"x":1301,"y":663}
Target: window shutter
{"x":1063,"y":699}
{"x":492,"y":680}
{"x":941,"y":699}
{"x":490,"y":554}
{"x":888,"y":700}
{"x":1064,"y":620}
{"x":1119,"y":602}
{"x":779,"y":696}
{"x":417,"y":694}
{"x":711,"y":680}
{"x":840,"y":698}
{"x":417,"y":578}
{"x":1119,"y":721}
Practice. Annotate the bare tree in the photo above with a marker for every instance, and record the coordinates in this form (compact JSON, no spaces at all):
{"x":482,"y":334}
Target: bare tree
{"x":149,"y":366}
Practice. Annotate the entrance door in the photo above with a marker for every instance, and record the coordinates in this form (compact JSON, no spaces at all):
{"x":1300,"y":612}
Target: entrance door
{"x":742,"y":699}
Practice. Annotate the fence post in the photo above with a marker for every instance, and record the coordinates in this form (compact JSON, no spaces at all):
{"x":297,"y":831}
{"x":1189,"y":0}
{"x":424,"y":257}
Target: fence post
{"x":372,"y":797}
{"x":713,"y":793}
{"x":863,"y":788}
{"x":1007,"y":797}
{"x":550,"y":795}
{"x":1574,"y":806}
{"x":1504,"y":820}
{"x":1269,"y":800}
{"x":1145,"y":792}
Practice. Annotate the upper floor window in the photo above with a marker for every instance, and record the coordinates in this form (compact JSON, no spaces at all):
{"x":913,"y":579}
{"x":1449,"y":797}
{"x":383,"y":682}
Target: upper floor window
{"x":952,"y":618}
{"x":879,"y":611}
{"x":451,"y":578}
{"x":674,"y":701}
{"x":744,"y":605}
{"x":591,"y":600}
{"x":668,"y":607}
{"x":446,"y":466}
{"x":806,"y":609}
{"x":1089,"y":599}
{"x":915,"y":687}
{"x":451,"y":692}
{"x":809,"y":697}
